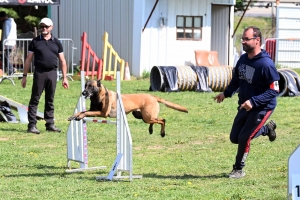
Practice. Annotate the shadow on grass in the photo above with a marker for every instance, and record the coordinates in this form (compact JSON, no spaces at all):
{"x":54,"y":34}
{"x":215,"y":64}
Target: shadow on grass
{"x":14,"y":129}
{"x":92,"y":176}
{"x":186,"y":176}
{"x":49,"y":170}
{"x":144,"y":90}
{"x":62,"y":173}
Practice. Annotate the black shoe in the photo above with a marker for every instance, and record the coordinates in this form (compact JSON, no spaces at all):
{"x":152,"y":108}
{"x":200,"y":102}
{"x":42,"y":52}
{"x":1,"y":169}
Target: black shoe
{"x":272,"y":134}
{"x":52,"y":128}
{"x":33,"y":129}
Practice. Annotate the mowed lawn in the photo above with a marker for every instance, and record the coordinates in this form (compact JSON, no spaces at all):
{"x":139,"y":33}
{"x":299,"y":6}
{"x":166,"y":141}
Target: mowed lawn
{"x":191,"y":162}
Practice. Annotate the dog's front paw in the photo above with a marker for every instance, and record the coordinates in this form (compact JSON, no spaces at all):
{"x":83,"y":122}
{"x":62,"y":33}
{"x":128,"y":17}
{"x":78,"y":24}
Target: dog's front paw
{"x":74,"y":117}
{"x":71,"y":118}
{"x":78,"y":118}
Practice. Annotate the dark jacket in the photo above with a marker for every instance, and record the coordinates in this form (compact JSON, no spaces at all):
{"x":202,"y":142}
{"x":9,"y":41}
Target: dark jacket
{"x":257,"y":80}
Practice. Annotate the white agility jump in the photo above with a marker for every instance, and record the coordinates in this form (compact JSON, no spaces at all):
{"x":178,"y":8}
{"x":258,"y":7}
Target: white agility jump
{"x":77,"y":145}
{"x":294,"y":175}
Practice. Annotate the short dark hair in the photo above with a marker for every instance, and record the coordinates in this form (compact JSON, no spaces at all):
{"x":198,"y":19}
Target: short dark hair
{"x":256,"y":32}
{"x":3,"y":14}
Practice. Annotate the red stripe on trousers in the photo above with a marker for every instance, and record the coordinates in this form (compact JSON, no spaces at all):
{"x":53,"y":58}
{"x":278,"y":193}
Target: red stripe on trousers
{"x":256,"y":130}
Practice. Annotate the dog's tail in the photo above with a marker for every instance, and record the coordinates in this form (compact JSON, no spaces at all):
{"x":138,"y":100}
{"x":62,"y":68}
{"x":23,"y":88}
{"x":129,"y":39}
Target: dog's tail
{"x":171,"y":105}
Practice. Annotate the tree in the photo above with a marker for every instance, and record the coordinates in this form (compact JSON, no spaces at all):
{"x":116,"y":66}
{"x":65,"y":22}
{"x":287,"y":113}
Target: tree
{"x":26,"y":17}
{"x":240,"y":5}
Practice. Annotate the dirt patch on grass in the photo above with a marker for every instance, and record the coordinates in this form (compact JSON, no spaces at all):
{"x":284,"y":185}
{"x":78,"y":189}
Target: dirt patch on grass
{"x":137,"y":148}
{"x":198,"y":142}
{"x":155,"y":147}
{"x":4,"y":139}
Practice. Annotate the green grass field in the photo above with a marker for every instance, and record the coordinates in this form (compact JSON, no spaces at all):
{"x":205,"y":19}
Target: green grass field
{"x":191,"y":162}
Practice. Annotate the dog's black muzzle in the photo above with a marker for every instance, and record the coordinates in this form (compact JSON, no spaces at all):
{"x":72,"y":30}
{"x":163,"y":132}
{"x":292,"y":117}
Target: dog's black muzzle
{"x":86,"y":94}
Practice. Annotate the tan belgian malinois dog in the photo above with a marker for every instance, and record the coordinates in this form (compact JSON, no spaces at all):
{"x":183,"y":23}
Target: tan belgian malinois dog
{"x":142,"y":106}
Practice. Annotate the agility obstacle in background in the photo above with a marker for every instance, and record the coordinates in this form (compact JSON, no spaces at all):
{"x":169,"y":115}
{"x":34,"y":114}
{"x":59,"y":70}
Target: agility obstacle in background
{"x":192,"y":78}
{"x":289,"y":84}
{"x":211,"y":78}
{"x":108,"y":68}
{"x":104,"y":68}
{"x":88,"y":54}
{"x":77,"y":145}
{"x":21,"y":109}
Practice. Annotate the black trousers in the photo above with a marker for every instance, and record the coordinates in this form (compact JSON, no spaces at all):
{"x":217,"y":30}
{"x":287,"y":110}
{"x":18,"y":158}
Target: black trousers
{"x":42,"y":81}
{"x":247,"y":125}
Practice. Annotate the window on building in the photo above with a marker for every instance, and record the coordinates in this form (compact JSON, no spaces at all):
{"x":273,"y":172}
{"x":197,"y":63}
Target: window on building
{"x":189,"y":28}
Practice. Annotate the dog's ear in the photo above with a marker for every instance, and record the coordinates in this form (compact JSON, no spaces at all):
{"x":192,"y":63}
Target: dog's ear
{"x":99,"y":83}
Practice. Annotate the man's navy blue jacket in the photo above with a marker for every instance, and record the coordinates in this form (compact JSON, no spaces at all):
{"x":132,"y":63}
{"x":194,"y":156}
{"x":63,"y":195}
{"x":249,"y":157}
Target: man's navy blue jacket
{"x":257,"y":80}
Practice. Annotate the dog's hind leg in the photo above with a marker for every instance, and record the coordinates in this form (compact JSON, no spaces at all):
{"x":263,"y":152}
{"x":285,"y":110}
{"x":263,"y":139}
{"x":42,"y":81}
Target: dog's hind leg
{"x":162,"y":129}
{"x":138,"y":115}
{"x":150,"y":128}
{"x":157,"y":121}
{"x":149,"y":115}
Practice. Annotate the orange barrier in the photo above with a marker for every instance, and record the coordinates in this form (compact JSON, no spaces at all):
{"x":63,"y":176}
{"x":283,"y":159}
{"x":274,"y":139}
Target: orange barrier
{"x":206,"y":58}
{"x":108,"y":70}
{"x":87,"y":54}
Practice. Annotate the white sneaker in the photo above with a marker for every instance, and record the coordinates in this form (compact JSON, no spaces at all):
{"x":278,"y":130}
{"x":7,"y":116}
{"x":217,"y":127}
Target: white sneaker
{"x":237,"y":173}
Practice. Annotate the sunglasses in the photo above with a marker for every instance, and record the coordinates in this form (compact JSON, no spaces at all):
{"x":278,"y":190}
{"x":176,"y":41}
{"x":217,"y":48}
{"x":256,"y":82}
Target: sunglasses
{"x":42,"y":27}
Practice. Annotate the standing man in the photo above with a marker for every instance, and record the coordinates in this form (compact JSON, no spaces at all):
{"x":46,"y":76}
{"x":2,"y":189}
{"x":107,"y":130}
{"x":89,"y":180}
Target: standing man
{"x":9,"y":33}
{"x":257,"y":79}
{"x":47,"y":50}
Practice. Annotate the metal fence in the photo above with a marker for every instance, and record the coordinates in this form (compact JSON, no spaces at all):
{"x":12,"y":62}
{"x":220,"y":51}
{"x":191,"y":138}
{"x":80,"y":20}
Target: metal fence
{"x":18,"y":54}
{"x":284,"y":52}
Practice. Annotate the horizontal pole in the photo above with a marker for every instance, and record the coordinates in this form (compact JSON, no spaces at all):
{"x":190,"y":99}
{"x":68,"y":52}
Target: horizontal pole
{"x":99,"y":121}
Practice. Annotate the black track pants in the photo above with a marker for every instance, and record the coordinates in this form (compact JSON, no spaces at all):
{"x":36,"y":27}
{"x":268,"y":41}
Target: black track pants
{"x":246,"y":126}
{"x":42,"y":81}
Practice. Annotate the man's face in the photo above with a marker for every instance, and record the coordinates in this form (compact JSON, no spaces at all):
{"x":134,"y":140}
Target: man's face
{"x":249,"y":41}
{"x":45,"y":30}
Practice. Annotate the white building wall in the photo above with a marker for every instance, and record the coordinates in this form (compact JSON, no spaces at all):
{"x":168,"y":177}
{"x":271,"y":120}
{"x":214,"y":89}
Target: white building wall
{"x":124,"y":21}
{"x":95,"y":17}
{"x":159,"y":45}
{"x":288,"y":32}
{"x":182,"y":52}
{"x":288,"y":21}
